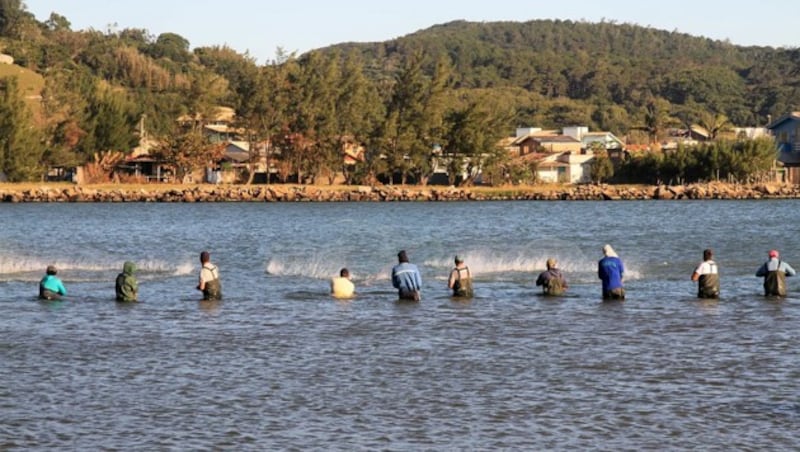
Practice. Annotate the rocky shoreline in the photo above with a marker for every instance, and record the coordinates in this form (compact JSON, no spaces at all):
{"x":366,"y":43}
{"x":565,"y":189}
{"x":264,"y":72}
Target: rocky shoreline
{"x":280,"y":193}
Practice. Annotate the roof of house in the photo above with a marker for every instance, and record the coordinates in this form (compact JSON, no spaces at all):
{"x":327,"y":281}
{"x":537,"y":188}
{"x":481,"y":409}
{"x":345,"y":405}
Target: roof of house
{"x":533,"y":157}
{"x":236,"y":156}
{"x":354,"y":152}
{"x":795,"y":115}
{"x":220,"y":114}
{"x":243,"y":146}
{"x":550,"y":139}
{"x":536,"y":135}
{"x":141,"y":158}
{"x":576,"y":158}
{"x":702,"y":131}
{"x":507,"y":141}
{"x":219,"y":128}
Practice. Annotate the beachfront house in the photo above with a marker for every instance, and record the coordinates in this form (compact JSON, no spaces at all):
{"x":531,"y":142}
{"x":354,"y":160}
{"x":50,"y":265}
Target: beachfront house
{"x":590,"y":140}
{"x":786,"y":131}
{"x":579,"y":167}
{"x":559,"y":158}
{"x":548,"y":143}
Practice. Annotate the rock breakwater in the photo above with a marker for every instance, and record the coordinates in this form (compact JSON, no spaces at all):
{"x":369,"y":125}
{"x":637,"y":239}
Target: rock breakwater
{"x":280,"y":193}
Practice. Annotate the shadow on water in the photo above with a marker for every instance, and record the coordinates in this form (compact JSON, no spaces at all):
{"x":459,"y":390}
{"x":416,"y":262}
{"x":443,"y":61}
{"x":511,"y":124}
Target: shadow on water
{"x":553,"y":298}
{"x":306,"y":295}
{"x":210,"y":306}
{"x":53,"y":305}
{"x":126,"y":305}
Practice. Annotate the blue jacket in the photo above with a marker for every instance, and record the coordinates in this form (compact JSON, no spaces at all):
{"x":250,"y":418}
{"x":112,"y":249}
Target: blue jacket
{"x":53,"y":284}
{"x":610,"y":271}
{"x":406,"y":278}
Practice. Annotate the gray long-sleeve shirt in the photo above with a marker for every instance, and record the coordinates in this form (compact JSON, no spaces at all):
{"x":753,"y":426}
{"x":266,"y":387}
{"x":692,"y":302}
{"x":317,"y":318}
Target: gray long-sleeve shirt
{"x":775,"y":264}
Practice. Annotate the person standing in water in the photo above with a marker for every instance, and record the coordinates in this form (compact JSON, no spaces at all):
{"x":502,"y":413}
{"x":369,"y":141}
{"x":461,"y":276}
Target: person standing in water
{"x":610,"y":270}
{"x":775,"y":272}
{"x":342,"y":286}
{"x":460,"y":280}
{"x":552,"y":280}
{"x":209,"y":278}
{"x":127,"y":288}
{"x":707,"y":276}
{"x":406,"y":278}
{"x":50,"y":287}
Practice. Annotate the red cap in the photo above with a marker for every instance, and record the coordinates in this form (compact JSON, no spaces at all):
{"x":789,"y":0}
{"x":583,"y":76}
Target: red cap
{"x":773,"y":253}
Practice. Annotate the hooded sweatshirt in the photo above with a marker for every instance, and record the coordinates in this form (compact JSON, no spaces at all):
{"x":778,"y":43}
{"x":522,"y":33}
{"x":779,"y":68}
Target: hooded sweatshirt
{"x":127,"y":287}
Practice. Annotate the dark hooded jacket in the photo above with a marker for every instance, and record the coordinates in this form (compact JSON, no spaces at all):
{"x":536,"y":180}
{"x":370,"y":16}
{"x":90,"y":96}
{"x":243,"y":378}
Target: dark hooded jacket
{"x":127,"y":287}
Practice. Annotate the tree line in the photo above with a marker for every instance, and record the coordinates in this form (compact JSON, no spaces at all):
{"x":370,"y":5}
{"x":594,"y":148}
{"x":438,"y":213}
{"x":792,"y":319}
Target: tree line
{"x":451,"y":91}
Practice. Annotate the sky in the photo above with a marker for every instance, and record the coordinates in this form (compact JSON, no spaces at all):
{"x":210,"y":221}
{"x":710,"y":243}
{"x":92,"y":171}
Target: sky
{"x":260,"y":27}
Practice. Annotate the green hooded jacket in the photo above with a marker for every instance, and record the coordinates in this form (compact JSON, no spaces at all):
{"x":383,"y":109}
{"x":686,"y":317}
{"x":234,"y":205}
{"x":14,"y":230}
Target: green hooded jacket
{"x":127,"y":287}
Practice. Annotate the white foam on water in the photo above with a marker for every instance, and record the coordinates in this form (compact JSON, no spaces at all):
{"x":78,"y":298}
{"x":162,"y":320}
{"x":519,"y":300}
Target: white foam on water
{"x":319,"y":267}
{"x":485,"y":264}
{"x":26,"y":268}
{"x":314,"y":267}
{"x":185,"y":268}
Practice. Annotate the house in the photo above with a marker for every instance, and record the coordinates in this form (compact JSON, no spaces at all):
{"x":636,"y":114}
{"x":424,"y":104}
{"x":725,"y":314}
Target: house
{"x":606,"y":140}
{"x":559,"y":158}
{"x":220,"y":133}
{"x":218,"y":126}
{"x":235,"y":163}
{"x":563,"y":167}
{"x":513,"y":145}
{"x":547,"y":143}
{"x":699,"y":133}
{"x":786,"y":131}
{"x":353,"y":153}
{"x":750,"y":133}
{"x":147,"y":168}
{"x":676,"y":137}
{"x":579,"y":167}
{"x":552,"y":171}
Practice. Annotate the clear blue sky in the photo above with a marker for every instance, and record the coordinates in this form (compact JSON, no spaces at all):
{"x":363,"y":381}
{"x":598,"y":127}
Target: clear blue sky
{"x":261,"y":26}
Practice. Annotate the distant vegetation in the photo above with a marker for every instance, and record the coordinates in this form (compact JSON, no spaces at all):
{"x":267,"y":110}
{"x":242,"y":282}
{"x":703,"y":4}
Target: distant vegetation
{"x":459,"y":86}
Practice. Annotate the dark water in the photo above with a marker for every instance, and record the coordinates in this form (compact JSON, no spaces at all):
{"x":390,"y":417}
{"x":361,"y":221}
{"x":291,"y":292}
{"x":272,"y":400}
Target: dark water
{"x":280,"y":365}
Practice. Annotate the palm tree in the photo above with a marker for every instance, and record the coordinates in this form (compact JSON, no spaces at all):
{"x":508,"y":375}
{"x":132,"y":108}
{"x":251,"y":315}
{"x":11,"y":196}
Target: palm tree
{"x":656,"y":119}
{"x":714,"y":123}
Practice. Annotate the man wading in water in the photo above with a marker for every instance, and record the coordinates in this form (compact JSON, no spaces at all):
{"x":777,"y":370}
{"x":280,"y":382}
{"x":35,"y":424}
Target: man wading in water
{"x":209,"y":279}
{"x":775,"y":272}
{"x":707,"y":276}
{"x":460,"y":279}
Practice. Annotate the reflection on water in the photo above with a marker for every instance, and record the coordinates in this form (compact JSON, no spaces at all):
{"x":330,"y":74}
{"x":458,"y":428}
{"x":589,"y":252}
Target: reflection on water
{"x":280,"y":364}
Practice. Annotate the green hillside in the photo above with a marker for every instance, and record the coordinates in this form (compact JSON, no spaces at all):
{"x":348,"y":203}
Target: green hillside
{"x":30,"y":85}
{"x":602,"y":64}
{"x":459,"y":87}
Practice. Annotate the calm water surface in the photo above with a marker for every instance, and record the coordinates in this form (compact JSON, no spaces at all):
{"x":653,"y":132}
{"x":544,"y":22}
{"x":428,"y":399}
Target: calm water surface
{"x":278,"y":364}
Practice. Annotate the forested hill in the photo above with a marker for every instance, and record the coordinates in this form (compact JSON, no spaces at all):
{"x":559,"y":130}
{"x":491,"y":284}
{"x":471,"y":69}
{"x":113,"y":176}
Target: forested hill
{"x":601,"y":63}
{"x":461,"y":85}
